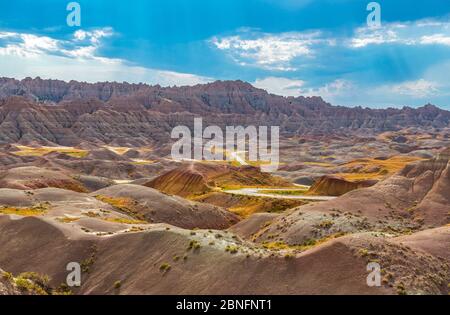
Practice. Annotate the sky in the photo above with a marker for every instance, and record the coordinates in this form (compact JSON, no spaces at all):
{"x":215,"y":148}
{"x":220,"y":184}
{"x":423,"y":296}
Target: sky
{"x":288,"y":47}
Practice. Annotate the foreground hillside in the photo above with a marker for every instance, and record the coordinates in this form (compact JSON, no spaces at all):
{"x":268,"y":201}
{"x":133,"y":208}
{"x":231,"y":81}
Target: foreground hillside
{"x":132,"y":239}
{"x":167,"y":260}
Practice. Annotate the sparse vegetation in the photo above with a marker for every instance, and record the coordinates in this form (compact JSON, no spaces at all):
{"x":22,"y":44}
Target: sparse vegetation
{"x":232,"y":249}
{"x":363,"y":252}
{"x":382,"y":168}
{"x":288,"y":256}
{"x":40,"y":151}
{"x":325,"y":224}
{"x":88,"y":262}
{"x":125,"y":221}
{"x":25,"y":211}
{"x":193,"y":244}
{"x":7,"y":276}
{"x":165,"y":267}
{"x":92,"y":214}
{"x":124,"y":205}
{"x":67,"y":219}
{"x":401,"y":289}
{"x":33,"y":283}
{"x":294,"y":192}
{"x":63,"y":289}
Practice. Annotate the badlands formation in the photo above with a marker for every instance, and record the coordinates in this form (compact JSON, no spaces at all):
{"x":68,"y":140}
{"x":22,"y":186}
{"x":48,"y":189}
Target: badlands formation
{"x":86,"y":176}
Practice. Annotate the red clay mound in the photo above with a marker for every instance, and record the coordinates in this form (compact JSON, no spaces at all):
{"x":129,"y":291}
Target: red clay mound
{"x":200,"y":178}
{"x":182,"y":182}
{"x":32,"y":177}
{"x":336,"y":186}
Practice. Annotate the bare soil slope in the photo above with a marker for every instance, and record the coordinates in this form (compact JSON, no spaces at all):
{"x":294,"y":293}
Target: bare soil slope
{"x":176,"y":261}
{"x":36,"y":177}
{"x":415,"y":198}
{"x":157,"y":207}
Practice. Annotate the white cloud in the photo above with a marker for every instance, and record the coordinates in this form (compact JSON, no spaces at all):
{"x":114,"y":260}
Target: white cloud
{"x":27,"y":45}
{"x":291,"y":87}
{"x":420,"y":88}
{"x":93,"y":36}
{"x":440,"y":39}
{"x":286,"y":51}
{"x":31,"y":55}
{"x":422,"y":32}
{"x":332,"y":90}
{"x":269,"y":51}
{"x":280,"y":86}
{"x":83,"y":45}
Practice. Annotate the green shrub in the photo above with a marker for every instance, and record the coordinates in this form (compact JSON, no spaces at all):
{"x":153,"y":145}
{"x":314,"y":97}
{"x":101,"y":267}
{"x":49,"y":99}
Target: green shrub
{"x":165,"y":267}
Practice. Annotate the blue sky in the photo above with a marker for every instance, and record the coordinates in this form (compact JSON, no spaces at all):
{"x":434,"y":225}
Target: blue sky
{"x":288,"y":47}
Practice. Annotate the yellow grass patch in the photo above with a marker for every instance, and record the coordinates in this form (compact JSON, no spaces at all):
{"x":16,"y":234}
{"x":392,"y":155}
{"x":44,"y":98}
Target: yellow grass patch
{"x":386,"y":167}
{"x":142,"y":162}
{"x":294,"y":192}
{"x":25,"y":211}
{"x":124,"y":221}
{"x":247,"y":210}
{"x":249,"y":206}
{"x":123,"y":204}
{"x":322,"y":164}
{"x":67,"y":219}
{"x":115,"y":202}
{"x":40,"y":151}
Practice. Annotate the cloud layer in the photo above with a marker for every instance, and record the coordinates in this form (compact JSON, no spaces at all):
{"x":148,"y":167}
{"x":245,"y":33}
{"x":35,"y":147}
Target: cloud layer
{"x":77,"y":58}
{"x":385,"y":66}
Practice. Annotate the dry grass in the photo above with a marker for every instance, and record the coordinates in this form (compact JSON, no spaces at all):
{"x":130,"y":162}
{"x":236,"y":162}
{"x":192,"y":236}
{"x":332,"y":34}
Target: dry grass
{"x":142,"y":162}
{"x":322,"y":164}
{"x":125,"y":205}
{"x":31,"y":151}
{"x":294,"y":192}
{"x":67,"y":219}
{"x":124,"y":221}
{"x":250,"y":205}
{"x":386,"y":167}
{"x":115,"y":202}
{"x":24,"y":211}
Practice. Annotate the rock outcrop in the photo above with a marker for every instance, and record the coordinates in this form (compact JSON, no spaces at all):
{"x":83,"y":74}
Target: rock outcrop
{"x":337,"y":186}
